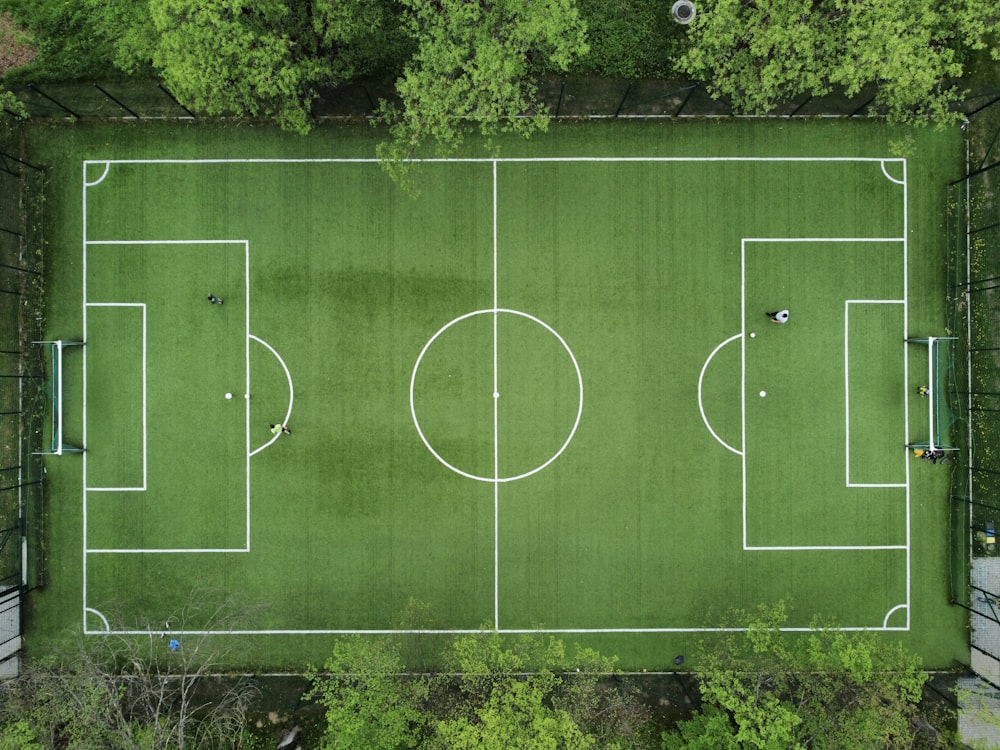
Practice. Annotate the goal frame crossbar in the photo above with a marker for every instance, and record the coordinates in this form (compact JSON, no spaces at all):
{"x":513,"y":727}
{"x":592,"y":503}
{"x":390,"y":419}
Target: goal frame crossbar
{"x":937,"y":397}
{"x":54,"y":390}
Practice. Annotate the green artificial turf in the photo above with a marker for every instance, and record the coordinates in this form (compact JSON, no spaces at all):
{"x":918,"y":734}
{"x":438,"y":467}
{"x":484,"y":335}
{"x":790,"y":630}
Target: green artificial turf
{"x":609,"y":513}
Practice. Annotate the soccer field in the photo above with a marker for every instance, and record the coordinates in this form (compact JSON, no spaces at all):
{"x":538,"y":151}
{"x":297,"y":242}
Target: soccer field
{"x":542,"y":395}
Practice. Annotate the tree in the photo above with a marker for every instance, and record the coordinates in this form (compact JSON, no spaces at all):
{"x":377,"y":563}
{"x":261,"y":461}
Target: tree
{"x":525,"y":693}
{"x":760,"y":53}
{"x":253,"y":58}
{"x":117,"y":691}
{"x":764,"y":688}
{"x":368,"y":705}
{"x":474,"y":64}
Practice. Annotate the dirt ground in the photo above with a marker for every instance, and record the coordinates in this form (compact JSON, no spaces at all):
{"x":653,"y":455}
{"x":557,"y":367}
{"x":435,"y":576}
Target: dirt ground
{"x":15,"y":45}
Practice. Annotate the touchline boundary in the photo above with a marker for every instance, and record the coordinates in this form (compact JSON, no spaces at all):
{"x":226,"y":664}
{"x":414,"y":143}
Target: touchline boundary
{"x":494,"y":162}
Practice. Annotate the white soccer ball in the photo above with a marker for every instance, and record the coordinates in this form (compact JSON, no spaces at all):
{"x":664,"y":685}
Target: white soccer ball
{"x":763,"y":393}
{"x":753,"y":335}
{"x":229,"y":396}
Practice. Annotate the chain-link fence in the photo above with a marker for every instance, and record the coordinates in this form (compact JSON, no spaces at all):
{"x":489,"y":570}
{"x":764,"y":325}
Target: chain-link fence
{"x":21,"y":395}
{"x":974,"y":312}
{"x":589,"y":97}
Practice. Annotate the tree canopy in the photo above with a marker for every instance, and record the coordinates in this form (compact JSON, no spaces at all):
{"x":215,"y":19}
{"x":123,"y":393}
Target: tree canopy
{"x":762,"y":53}
{"x":527,"y":693}
{"x":773,"y":690}
{"x":475,"y":63}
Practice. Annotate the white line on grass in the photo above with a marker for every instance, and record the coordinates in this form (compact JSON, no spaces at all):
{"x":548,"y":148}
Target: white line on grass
{"x":99,"y":180}
{"x":496,"y":422}
{"x":906,"y":373}
{"x":246,"y":382}
{"x":790,"y":548}
{"x":145,"y":435}
{"x":478,"y":631}
{"x":495,"y":310}
{"x":156,"y":550}
{"x":291,"y":395}
{"x":889,"y":176}
{"x":514,"y":160}
{"x":83,"y":500}
{"x":847,"y":390}
{"x":701,"y":402}
{"x":891,"y":612}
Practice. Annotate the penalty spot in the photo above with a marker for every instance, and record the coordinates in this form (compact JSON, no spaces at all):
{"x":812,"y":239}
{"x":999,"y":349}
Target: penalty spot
{"x":763,"y":393}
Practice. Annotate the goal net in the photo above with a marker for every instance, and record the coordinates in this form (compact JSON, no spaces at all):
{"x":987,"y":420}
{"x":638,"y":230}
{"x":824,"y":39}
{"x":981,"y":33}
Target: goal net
{"x":940,"y":417}
{"x":54,"y":391}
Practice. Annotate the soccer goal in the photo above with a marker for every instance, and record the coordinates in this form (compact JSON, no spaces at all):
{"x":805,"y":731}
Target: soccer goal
{"x":940,"y":417}
{"x":54,"y":390}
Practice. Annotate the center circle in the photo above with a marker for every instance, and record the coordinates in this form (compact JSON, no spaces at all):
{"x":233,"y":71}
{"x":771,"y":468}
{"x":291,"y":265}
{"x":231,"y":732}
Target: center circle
{"x":495,"y":393}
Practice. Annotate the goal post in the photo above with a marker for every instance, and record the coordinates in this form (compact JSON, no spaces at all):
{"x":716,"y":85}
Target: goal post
{"x":940,"y":417}
{"x":54,"y":391}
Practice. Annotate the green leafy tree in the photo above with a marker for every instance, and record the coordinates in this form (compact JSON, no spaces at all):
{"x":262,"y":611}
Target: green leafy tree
{"x":531,"y":693}
{"x":256,"y":58}
{"x":523,"y":693}
{"x":475,"y":65}
{"x":765,"y":688}
{"x":760,"y":53}
{"x":368,"y":705}
{"x":17,"y":735}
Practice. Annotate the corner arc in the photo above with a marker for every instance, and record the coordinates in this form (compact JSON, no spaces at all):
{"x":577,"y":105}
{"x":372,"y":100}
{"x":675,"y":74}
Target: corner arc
{"x":891,"y":612}
{"x":889,"y":176}
{"x":107,"y":168}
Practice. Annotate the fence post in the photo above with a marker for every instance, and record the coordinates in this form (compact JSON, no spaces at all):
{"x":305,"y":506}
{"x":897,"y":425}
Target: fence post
{"x":117,"y":102}
{"x":863,"y":106}
{"x":174,"y":100}
{"x":624,"y":97}
{"x":796,"y":110}
{"x":5,"y":155}
{"x":690,"y":92}
{"x":61,"y":106}
{"x":17,"y":268}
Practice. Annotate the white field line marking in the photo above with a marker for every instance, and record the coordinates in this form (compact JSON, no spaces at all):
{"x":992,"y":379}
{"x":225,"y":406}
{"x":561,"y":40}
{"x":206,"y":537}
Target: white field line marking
{"x":145,"y":434}
{"x":496,"y":422}
{"x":166,"y":242}
{"x":413,"y":380}
{"x":246,"y":386}
{"x":160,"y":550}
{"x":156,"y":550}
{"x":790,"y":548}
{"x":891,"y":612}
{"x":83,"y":482}
{"x":743,"y":382}
{"x":99,"y":180}
{"x":701,"y":403}
{"x":847,"y":390}
{"x":107,"y":625}
{"x":881,"y":161}
{"x":291,"y":396}
{"x":834,"y":547}
{"x":475,"y":631}
{"x":906,"y":376}
{"x":513,"y":160}
{"x":889,"y":176}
